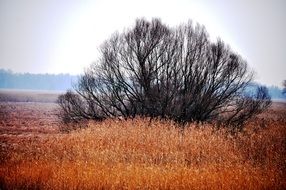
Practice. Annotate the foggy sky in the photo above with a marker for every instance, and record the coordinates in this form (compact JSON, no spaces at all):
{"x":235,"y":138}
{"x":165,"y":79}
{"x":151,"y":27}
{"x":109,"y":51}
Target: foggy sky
{"x":63,"y":36}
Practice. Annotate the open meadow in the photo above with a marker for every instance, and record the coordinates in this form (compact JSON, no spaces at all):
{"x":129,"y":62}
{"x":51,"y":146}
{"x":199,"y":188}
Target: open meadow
{"x":36,"y":153}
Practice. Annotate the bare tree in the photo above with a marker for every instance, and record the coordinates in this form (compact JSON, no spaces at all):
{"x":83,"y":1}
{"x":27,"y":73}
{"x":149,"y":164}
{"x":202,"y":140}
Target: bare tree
{"x":157,"y":71}
{"x":75,"y":108}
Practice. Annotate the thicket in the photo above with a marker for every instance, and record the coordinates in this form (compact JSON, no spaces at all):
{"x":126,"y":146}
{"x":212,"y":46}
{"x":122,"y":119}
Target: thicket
{"x":156,"y":71}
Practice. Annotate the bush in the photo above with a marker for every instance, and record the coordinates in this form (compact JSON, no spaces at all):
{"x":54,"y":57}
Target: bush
{"x":153,"y":70}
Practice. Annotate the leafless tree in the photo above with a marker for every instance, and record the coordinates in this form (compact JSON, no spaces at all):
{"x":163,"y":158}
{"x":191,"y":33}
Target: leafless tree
{"x":74,"y":108}
{"x":157,"y":71}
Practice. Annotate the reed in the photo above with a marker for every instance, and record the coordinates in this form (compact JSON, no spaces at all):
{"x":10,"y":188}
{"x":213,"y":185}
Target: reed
{"x":138,"y":154}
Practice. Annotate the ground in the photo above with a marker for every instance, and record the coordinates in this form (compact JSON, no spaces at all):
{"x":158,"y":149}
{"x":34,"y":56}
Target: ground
{"x":135,"y":154}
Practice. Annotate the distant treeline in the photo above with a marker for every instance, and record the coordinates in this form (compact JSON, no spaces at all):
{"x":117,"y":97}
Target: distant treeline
{"x":60,"y":82}
{"x":274,"y":91}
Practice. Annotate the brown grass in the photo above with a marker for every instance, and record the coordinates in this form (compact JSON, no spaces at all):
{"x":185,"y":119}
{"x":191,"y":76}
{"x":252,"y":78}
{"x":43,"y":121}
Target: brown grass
{"x":15,"y":95}
{"x":138,"y":154}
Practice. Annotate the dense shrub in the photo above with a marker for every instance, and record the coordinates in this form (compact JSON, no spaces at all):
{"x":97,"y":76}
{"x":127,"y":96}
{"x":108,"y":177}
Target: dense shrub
{"x":157,"y":71}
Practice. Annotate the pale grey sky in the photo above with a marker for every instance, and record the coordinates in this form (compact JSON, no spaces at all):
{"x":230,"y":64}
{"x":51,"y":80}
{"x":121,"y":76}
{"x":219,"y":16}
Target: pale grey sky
{"x":63,"y":36}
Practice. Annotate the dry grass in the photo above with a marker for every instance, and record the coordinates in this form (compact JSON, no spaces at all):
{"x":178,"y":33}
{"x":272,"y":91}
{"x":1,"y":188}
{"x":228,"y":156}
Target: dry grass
{"x":138,"y":154}
{"x":20,"y":118}
{"x":43,"y":96}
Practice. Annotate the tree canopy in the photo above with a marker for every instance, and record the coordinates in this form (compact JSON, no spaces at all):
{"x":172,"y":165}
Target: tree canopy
{"x":153,"y":70}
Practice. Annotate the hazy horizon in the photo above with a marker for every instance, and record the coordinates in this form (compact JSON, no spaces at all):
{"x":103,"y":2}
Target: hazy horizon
{"x":63,"y":36}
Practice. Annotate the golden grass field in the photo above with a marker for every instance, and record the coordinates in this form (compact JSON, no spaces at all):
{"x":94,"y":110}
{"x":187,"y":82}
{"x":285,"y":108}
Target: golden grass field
{"x":138,"y":154}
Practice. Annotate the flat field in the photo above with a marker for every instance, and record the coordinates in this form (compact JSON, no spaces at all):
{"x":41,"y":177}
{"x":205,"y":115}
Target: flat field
{"x":135,"y":154}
